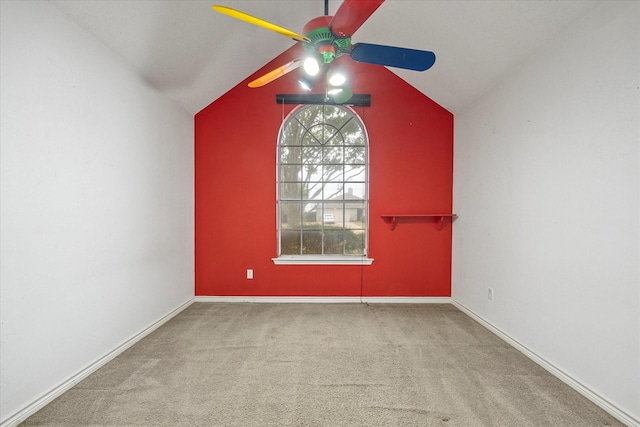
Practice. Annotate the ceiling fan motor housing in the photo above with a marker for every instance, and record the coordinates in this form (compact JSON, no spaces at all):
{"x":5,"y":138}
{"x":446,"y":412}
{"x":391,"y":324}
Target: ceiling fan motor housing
{"x":323,"y":41}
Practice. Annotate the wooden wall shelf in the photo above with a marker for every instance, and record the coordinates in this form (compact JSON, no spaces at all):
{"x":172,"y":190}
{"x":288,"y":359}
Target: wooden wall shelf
{"x":440,"y":219}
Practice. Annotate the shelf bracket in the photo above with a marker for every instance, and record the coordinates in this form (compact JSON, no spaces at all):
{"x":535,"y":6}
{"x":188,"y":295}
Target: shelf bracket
{"x":393,"y":223}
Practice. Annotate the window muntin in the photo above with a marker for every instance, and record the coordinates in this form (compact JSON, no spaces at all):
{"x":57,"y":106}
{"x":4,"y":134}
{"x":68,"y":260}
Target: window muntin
{"x":322,"y":183}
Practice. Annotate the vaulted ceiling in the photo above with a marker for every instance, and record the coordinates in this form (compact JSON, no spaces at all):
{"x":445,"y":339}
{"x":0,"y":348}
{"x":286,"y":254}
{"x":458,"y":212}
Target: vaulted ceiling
{"x":195,"y":55}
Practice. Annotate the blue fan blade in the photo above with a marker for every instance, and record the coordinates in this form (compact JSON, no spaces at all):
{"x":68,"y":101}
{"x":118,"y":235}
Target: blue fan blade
{"x":400,"y":57}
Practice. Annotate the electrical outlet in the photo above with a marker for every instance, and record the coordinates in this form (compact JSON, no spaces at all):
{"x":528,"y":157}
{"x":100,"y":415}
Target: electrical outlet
{"x":249,"y":273}
{"x":490,"y":294}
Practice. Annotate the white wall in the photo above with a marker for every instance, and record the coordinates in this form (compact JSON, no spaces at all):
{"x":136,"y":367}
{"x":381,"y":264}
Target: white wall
{"x":97,"y":202}
{"x":546,"y":185}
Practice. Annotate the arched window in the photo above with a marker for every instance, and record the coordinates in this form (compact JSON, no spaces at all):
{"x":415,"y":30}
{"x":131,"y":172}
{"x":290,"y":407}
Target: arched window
{"x":322,"y":186}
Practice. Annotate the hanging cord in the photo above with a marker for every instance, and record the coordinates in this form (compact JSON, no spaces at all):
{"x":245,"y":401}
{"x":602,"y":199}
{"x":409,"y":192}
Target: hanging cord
{"x":362,"y":281}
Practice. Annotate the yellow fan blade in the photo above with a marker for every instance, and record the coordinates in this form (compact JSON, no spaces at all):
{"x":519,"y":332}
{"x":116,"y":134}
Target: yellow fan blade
{"x":274,"y":74}
{"x":260,"y":23}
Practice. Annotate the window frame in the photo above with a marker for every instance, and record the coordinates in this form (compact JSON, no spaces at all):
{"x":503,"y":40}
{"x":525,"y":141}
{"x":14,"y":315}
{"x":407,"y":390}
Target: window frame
{"x":321,"y":259}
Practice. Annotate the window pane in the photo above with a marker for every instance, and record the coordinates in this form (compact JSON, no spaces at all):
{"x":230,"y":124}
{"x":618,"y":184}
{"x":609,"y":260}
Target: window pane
{"x":354,"y":215}
{"x":333,"y":215}
{"x":312,"y":155}
{"x":311,"y":215}
{"x":333,"y":155}
{"x":290,"y":242}
{"x":355,"y":155}
{"x":354,"y":135}
{"x":355,"y":191}
{"x":337,"y":117}
{"x":312,"y":191}
{"x":290,"y":215}
{"x":333,"y":191}
{"x":290,"y":191}
{"x":354,"y":173}
{"x":332,"y":173}
{"x":311,"y":116}
{"x":312,"y":242}
{"x":334,"y":241}
{"x":354,"y":242}
{"x":288,"y":135}
{"x":290,"y":172}
{"x":311,"y":173}
{"x":290,"y":155}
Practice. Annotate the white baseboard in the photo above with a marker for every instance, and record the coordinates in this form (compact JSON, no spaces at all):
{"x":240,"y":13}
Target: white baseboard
{"x":328,"y":300}
{"x":48,"y":397}
{"x":599,"y":400}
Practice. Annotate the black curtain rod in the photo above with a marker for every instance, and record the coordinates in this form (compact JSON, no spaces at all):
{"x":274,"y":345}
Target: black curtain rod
{"x":357,"y":100}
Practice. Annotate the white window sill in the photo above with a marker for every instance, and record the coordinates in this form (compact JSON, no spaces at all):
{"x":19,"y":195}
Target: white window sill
{"x":322,"y":260}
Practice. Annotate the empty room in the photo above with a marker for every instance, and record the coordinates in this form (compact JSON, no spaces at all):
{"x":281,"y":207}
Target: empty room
{"x":319,"y":213}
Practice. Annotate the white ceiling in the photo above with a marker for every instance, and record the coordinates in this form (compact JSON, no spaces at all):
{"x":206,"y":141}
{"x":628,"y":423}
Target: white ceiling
{"x":195,"y":55}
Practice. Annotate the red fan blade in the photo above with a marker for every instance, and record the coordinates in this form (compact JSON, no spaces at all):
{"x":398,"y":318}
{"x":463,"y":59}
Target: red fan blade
{"x":351,"y":15}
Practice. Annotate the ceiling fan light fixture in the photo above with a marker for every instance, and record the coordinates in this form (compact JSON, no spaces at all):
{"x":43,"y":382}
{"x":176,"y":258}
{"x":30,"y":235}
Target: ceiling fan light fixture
{"x":337,"y":79}
{"x":311,"y":66}
{"x":342,"y":95}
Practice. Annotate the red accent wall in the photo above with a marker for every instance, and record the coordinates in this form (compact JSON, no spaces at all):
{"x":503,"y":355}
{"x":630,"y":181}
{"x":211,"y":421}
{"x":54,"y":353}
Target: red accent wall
{"x":411,"y":171}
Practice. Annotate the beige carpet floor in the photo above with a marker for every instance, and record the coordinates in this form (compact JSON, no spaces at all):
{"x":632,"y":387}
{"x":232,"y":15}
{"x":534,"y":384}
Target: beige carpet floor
{"x":243,"y":364}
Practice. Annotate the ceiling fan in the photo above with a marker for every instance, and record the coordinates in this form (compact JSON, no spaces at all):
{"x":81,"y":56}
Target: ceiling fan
{"x":328,"y":37}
